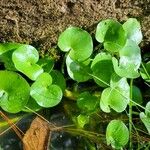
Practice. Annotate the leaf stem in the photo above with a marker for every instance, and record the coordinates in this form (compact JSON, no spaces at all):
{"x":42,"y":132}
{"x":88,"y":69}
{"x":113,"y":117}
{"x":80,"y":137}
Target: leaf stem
{"x":130,"y":115}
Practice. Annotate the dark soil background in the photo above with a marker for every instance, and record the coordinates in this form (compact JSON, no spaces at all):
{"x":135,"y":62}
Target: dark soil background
{"x":40,"y":22}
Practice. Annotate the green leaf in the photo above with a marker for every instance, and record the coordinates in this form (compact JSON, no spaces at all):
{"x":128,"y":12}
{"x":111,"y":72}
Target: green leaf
{"x":145,"y":72}
{"x":44,"y":92}
{"x":77,"y":41}
{"x":136,"y":95}
{"x":102,"y":68}
{"x":87,"y":102}
{"x":112,"y":34}
{"x":14,"y":91}
{"x":25,"y":59}
{"x":82,"y":120}
{"x":58,"y":79}
{"x":5,"y":47}
{"x":46,"y":63}
{"x":32,"y":104}
{"x":145,"y":117}
{"x":116,"y":97}
{"x":129,"y":62}
{"x":133,"y":29}
{"x":117,"y":134}
{"x":77,"y":71}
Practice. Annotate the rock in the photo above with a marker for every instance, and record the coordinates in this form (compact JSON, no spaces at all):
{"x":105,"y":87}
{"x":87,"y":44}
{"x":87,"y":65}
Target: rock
{"x":39,"y":22}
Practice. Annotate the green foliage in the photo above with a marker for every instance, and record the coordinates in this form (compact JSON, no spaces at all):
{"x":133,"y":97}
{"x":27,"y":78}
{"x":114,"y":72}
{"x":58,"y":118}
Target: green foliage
{"x":102,"y":68}
{"x":25,"y":58}
{"x":14,"y":91}
{"x":112,"y":34}
{"x":117,"y":61}
{"x":145,"y":72}
{"x":87,"y":102}
{"x":77,"y":41}
{"x":44,"y":92}
{"x":117,"y":134}
{"x":145,"y":117}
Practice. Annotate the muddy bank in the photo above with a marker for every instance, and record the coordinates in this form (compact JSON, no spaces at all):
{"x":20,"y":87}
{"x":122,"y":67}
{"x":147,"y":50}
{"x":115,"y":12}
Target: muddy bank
{"x":39,"y":22}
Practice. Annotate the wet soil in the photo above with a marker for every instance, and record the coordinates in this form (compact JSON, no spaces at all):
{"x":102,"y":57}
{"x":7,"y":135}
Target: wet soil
{"x":39,"y":22}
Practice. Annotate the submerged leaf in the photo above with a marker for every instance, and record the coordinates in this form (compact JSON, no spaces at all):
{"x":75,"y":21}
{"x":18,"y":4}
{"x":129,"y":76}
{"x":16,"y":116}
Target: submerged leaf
{"x":25,"y":59}
{"x":77,"y":41}
{"x":133,"y":30}
{"x":44,"y":92}
{"x":117,"y":134}
{"x":129,"y":62}
{"x":14,"y":91}
{"x":102,"y":68}
{"x":112,"y":34}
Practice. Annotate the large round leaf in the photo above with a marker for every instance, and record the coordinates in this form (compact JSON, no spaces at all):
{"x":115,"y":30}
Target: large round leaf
{"x":129,"y":62}
{"x":44,"y":93}
{"x":117,"y":134}
{"x":112,"y":34}
{"x":102,"y":68}
{"x":77,"y":71}
{"x":116,"y":97}
{"x":77,"y":41}
{"x":133,"y":29}
{"x":14,"y":91}
{"x":25,"y":59}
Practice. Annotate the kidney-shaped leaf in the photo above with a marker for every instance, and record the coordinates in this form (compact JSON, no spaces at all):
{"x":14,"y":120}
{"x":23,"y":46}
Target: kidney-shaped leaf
{"x":14,"y":91}
{"x":25,"y":59}
{"x":117,"y":134}
{"x":77,"y":71}
{"x":145,"y":117}
{"x":116,"y":96}
{"x":130,"y":60}
{"x":133,"y":29}
{"x":102,"y":68}
{"x":44,"y":92}
{"x":112,"y":34}
{"x":77,"y":41}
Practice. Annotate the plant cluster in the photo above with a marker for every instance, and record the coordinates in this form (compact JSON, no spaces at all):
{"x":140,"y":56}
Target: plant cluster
{"x":28,"y":81}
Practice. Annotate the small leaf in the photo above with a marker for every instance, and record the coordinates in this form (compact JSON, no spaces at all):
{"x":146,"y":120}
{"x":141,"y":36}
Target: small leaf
{"x":145,"y":117}
{"x":14,"y":91}
{"x":102,"y":68}
{"x":112,"y":34}
{"x":25,"y":59}
{"x":5,"y":47}
{"x":145,"y":72}
{"x":77,"y":41}
{"x":116,"y":96}
{"x":117,"y":134}
{"x":77,"y":71}
{"x":133,"y":29}
{"x":82,"y":120}
{"x":87,"y":102}
{"x":58,"y":79}
{"x":44,"y":92}
{"x":129,"y":62}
